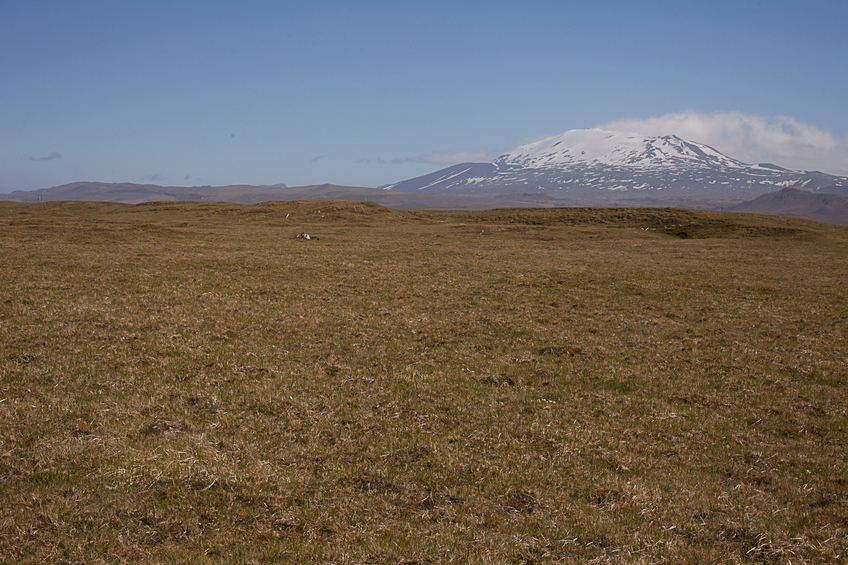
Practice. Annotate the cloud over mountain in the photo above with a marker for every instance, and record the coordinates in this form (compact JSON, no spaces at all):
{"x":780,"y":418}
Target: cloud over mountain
{"x":750,"y":138}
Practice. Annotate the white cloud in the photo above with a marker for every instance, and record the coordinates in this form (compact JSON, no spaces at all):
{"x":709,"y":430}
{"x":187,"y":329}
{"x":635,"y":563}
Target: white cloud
{"x":445,"y":158}
{"x":441,"y":158}
{"x":52,"y":157}
{"x":781,"y":140}
{"x":401,"y":160}
{"x":455,"y":157}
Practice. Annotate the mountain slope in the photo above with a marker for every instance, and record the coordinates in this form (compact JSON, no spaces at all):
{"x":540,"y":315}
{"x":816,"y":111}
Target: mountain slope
{"x":598,"y":164}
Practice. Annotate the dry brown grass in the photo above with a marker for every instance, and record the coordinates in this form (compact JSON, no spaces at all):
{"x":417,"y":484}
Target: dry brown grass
{"x":191,"y":383}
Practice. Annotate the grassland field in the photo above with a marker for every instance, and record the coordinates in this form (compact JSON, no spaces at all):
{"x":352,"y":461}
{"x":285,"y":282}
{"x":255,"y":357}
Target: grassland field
{"x":193,"y":383}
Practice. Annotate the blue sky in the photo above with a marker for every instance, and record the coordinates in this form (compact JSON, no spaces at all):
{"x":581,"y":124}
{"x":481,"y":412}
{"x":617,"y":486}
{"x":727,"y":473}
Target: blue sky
{"x":369,"y":93}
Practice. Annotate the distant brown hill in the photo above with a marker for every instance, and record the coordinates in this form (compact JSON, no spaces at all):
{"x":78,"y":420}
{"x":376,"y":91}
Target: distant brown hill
{"x":129,"y":193}
{"x":828,"y":208}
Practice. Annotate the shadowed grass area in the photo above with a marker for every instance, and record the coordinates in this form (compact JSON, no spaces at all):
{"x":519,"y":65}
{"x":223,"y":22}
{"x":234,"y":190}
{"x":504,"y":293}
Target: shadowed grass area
{"x":191,"y":382}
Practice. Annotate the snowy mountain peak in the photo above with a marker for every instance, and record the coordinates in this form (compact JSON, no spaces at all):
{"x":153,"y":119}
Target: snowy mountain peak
{"x":612,"y":148}
{"x":597,"y":166}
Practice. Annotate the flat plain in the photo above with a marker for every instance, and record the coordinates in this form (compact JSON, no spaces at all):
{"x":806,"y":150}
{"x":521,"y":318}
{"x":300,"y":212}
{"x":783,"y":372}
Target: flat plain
{"x":194,"y":383}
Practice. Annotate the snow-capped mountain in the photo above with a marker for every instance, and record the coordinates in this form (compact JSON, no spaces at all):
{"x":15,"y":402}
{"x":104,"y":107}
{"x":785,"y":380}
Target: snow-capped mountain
{"x":597,"y":163}
{"x":595,"y":146}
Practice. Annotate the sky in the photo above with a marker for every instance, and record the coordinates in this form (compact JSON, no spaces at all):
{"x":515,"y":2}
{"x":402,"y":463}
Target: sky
{"x":368,"y":93}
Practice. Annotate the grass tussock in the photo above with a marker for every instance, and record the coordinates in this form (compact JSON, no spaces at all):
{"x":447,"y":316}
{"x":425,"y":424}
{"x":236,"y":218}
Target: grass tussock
{"x":193,"y":383}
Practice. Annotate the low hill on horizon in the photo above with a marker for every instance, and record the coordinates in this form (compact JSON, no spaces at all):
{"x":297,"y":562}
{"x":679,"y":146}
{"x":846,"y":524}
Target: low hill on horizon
{"x":827,"y":208}
{"x":130,"y":193}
